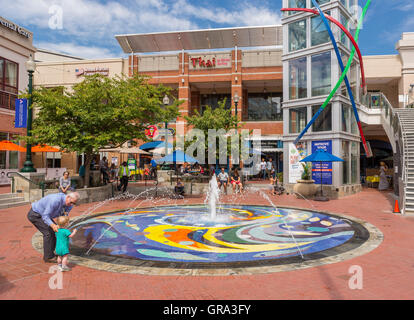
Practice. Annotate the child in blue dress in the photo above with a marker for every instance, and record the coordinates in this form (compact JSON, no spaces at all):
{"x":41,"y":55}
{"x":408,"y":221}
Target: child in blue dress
{"x":62,"y":242}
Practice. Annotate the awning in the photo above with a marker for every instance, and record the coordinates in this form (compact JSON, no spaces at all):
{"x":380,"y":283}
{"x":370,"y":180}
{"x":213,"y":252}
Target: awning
{"x":202,"y":39}
{"x":154,"y":144}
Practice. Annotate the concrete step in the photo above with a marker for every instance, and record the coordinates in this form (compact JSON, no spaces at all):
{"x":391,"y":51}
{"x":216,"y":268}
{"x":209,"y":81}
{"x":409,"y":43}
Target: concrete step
{"x":15,"y":204}
{"x":10,"y":195}
{"x":11,"y":200}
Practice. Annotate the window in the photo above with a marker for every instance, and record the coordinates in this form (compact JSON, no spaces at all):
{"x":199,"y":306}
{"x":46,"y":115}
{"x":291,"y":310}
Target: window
{"x":324,"y":121}
{"x":212,"y":100}
{"x":297,"y":119}
{"x":8,"y":159}
{"x":320,"y":2}
{"x":297,"y":35}
{"x":343,"y":38}
{"x":346,"y":118}
{"x":318,"y":31}
{"x":297,"y":79}
{"x":343,"y":3}
{"x":345,"y":164}
{"x":354,"y":162}
{"x":264,"y":107}
{"x":296,"y":4}
{"x":9,"y":71}
{"x":321,"y":74}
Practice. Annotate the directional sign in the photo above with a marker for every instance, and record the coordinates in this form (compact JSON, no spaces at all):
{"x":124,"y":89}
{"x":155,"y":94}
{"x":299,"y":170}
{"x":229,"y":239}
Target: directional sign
{"x":170,"y":131}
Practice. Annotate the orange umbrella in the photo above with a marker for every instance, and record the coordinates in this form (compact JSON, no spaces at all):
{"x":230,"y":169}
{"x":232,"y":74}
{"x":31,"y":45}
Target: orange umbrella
{"x":44,"y":148}
{"x":6,"y":145}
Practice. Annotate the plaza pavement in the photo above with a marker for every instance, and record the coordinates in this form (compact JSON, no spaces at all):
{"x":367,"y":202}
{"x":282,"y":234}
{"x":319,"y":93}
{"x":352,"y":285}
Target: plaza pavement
{"x":388,"y":271}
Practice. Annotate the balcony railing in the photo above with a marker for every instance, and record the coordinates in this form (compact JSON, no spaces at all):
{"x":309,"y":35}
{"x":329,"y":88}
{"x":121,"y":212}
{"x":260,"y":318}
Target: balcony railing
{"x":7,"y":100}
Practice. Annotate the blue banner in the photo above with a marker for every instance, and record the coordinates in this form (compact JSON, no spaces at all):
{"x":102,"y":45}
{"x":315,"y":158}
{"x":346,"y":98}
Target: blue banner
{"x":324,"y":167}
{"x":20,"y":119}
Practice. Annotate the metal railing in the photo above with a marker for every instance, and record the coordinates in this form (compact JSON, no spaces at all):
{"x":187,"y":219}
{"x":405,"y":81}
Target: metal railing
{"x":11,"y":175}
{"x":7,"y":100}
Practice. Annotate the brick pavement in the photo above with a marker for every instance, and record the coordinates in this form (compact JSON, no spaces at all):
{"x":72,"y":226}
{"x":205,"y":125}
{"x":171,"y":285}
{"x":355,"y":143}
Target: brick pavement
{"x":388,"y":271}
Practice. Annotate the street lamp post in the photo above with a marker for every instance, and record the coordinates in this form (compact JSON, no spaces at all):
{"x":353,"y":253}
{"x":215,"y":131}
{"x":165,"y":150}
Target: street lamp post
{"x":236,"y":99}
{"x":28,"y":165}
{"x":166,"y":102}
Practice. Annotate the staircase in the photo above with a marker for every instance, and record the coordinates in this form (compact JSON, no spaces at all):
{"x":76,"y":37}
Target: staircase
{"x":9,"y":200}
{"x":406,"y":119}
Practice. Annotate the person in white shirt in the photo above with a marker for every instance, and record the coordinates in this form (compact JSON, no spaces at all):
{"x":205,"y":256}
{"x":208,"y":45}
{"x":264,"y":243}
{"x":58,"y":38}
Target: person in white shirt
{"x":223,"y":179}
{"x":263,"y":169}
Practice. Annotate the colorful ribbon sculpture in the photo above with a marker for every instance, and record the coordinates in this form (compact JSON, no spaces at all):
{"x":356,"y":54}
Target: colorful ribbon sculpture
{"x":344,"y":70}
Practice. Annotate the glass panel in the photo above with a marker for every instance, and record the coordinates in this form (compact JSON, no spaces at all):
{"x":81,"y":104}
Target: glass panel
{"x":13,"y":159}
{"x":346,"y":114}
{"x":321,"y":74}
{"x":3,"y":154}
{"x":343,"y":3}
{"x":322,"y":1}
{"x":264,"y":107}
{"x":297,"y":119}
{"x":212,"y":101}
{"x":297,"y":35}
{"x":343,"y":38}
{"x":296,"y":4}
{"x":354,"y":162}
{"x":11,"y":74}
{"x":297,"y":79}
{"x":354,"y":125}
{"x":324,"y":121}
{"x":345,"y":164}
{"x":319,"y":32}
{"x":1,"y":72}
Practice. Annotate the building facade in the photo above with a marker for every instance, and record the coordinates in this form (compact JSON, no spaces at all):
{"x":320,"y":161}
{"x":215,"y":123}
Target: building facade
{"x":15,"y":49}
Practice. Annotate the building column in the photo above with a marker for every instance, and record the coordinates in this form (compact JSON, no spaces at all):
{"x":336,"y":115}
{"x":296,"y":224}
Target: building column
{"x":236,"y":83}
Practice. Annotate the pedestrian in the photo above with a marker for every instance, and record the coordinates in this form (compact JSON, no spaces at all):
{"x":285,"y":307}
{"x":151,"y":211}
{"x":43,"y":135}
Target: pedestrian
{"x":383,"y":183}
{"x":269,"y":166}
{"x":123,"y":175}
{"x":43,"y":212}
{"x":82,"y":174}
{"x":263,"y":169}
{"x":153,"y":169}
{"x":62,"y":242}
{"x":223,"y":179}
{"x":65,"y":183}
{"x":103,"y":166}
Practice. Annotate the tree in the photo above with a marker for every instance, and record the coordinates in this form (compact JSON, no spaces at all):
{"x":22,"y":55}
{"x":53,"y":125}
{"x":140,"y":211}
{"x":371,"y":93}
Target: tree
{"x":217,"y":119}
{"x":98,"y":112}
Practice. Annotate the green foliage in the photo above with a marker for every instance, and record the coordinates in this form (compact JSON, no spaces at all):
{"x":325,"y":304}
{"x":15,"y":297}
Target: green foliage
{"x":307,"y":171}
{"x":216,"y":119}
{"x":98,"y":112}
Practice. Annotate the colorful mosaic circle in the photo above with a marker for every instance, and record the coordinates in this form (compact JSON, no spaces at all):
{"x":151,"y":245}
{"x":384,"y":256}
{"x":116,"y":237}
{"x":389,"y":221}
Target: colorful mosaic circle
{"x":238,"y":235}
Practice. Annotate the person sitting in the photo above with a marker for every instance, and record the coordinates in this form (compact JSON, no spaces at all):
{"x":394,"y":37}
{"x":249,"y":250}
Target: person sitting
{"x":236,"y":181}
{"x":223,"y":180}
{"x":179,"y":188}
{"x":277,"y":187}
{"x":65,"y":183}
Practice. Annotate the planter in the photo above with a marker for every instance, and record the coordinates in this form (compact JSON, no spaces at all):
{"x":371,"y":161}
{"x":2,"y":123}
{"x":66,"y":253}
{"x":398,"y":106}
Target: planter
{"x":306,"y":188}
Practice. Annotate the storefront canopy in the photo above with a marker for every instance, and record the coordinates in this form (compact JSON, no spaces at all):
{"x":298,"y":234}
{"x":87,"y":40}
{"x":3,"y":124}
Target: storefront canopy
{"x":154,"y":145}
{"x":177,"y":156}
{"x":202,"y":39}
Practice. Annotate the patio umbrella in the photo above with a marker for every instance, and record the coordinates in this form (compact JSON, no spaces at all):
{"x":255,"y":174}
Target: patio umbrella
{"x":44,"y":148}
{"x":320,"y":156}
{"x":177,"y":156}
{"x":6,"y":145}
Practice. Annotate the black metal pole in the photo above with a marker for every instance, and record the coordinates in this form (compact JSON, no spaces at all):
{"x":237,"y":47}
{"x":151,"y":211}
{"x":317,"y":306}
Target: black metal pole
{"x":28,"y":165}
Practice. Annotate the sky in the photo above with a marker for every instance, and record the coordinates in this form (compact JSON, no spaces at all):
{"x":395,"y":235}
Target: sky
{"x":86,"y":28}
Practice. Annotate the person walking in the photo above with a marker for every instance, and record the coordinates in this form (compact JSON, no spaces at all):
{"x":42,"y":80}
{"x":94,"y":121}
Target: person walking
{"x":383,"y":183}
{"x":43,"y":212}
{"x":123,"y":175}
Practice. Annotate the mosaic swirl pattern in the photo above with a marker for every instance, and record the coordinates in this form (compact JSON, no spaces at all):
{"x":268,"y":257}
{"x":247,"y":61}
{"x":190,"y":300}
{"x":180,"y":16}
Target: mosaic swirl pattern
{"x":185,"y":234}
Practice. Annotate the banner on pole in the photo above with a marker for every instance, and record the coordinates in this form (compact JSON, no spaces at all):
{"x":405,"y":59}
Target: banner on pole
{"x":20,"y":113}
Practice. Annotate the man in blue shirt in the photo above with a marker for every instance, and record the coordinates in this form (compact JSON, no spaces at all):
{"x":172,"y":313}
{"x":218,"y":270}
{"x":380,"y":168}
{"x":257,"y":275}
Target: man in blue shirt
{"x":43,"y":212}
{"x":153,"y":169}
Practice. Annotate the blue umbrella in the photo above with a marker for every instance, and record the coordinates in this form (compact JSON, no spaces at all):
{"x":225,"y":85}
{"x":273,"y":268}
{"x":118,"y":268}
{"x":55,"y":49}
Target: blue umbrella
{"x":177,"y":156}
{"x":321,"y":155}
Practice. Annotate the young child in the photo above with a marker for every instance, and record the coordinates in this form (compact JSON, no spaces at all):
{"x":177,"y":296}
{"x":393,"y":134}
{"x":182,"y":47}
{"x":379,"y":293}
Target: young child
{"x":62,"y":242}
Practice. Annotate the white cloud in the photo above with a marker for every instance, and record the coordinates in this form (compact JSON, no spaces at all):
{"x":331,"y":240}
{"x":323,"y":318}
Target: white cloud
{"x":73,"y":49}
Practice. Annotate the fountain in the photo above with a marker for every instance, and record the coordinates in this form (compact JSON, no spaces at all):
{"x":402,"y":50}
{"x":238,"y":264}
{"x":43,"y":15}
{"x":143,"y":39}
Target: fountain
{"x":213,"y":197}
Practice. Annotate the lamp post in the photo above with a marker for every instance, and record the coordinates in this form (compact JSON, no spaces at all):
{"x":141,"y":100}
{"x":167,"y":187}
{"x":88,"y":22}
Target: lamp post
{"x":166,"y":102}
{"x":28,"y":165}
{"x":236,"y":100}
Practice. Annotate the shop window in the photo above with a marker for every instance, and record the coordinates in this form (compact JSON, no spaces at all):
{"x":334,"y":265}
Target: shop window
{"x":324,"y":121}
{"x":264,"y":107}
{"x":321,"y":74}
{"x":297,"y":79}
{"x":354,"y":162}
{"x":297,"y":35}
{"x":345,"y":164}
{"x":212,"y":100}
{"x":344,"y":21}
{"x":297,"y":119}
{"x":346,"y":118}
{"x":318,"y":31}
